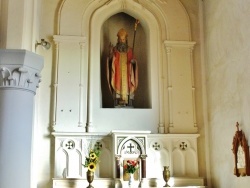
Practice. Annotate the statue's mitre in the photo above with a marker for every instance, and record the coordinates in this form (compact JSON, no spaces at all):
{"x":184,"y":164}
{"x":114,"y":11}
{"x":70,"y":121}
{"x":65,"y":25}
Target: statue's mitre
{"x":122,"y":32}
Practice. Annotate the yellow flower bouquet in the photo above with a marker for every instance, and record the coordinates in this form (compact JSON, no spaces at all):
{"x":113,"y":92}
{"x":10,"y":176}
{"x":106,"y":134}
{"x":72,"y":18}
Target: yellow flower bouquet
{"x":92,"y":159}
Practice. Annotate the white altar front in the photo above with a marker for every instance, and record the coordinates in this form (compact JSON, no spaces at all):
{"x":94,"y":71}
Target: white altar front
{"x":178,"y":151}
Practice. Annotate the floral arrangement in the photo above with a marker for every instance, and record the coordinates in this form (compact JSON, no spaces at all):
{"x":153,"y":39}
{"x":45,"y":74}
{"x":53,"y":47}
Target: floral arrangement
{"x":131,"y":166}
{"x":92,"y":159}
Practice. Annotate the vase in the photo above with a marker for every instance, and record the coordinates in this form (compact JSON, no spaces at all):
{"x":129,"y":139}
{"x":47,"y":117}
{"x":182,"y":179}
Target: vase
{"x":166,"y":175}
{"x":131,"y":179}
{"x":90,"y":178}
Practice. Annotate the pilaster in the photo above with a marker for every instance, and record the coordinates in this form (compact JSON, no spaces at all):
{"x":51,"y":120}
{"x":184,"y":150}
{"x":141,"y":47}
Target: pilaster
{"x":71,"y":74}
{"x":181,"y":96}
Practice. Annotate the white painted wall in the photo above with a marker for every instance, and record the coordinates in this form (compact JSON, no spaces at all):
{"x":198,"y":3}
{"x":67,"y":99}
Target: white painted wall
{"x":19,"y":23}
{"x":227,"y":59}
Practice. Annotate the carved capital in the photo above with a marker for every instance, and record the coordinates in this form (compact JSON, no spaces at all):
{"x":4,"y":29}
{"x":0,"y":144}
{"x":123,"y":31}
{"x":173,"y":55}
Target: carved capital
{"x":168,"y":49}
{"x":184,"y":44}
{"x":143,"y":157}
{"x":20,"y":69}
{"x":118,"y":157}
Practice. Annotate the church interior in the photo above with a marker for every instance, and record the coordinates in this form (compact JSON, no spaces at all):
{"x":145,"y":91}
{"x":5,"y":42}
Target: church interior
{"x":163,"y":83}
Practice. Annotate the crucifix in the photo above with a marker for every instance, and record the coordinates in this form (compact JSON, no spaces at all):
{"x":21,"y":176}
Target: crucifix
{"x":130,"y":147}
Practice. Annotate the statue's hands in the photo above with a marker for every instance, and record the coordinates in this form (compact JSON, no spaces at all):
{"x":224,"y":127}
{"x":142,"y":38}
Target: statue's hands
{"x":111,"y":47}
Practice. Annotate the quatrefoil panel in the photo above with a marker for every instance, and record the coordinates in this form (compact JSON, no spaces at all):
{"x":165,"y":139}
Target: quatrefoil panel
{"x":183,"y":145}
{"x":69,"y":145}
{"x":156,"y":146}
{"x":98,"y":145}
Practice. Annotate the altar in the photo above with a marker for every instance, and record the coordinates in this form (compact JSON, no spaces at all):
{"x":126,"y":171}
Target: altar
{"x":106,"y":183}
{"x":153,"y":151}
{"x":159,"y":128}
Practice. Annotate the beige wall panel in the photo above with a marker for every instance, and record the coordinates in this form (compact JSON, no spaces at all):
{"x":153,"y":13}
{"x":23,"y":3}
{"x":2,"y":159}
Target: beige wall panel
{"x":182,"y":90}
{"x":68,"y":97}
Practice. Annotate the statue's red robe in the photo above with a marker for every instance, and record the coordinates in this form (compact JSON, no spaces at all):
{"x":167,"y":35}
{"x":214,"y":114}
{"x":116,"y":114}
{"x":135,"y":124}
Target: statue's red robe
{"x":123,"y":75}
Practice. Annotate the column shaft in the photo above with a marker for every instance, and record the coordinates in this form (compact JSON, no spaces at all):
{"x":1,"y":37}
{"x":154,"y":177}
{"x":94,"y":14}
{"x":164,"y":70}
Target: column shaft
{"x":19,"y":79}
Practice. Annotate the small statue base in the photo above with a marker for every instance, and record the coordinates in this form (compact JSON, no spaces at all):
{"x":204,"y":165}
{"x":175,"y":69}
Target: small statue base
{"x":122,"y":104}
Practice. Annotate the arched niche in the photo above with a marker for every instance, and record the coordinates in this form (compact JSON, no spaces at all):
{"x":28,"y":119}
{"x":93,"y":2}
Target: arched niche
{"x":99,"y":115}
{"x":137,"y":39}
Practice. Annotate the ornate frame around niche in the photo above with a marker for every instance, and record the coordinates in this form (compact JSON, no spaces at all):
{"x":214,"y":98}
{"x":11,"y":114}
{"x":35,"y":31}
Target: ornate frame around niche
{"x":241,"y":153}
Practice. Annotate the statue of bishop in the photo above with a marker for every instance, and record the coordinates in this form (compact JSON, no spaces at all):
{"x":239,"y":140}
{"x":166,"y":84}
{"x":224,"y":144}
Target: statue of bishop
{"x":122,"y":71}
